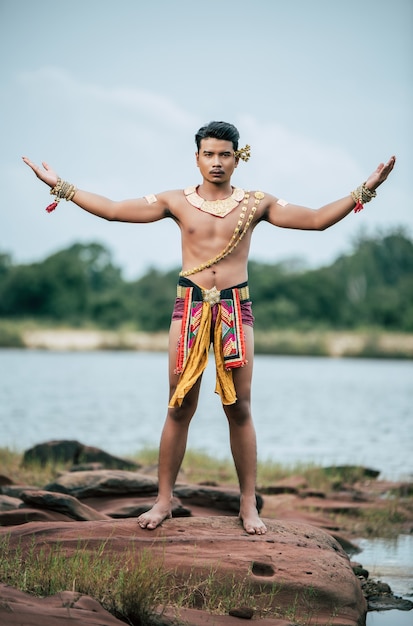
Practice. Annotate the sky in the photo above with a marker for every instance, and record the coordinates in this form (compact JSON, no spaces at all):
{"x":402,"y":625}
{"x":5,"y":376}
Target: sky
{"x":111,"y":93}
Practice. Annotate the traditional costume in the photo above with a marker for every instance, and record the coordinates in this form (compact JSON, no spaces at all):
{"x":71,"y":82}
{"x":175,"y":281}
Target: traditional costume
{"x":209,"y":315}
{"x":212,"y":315}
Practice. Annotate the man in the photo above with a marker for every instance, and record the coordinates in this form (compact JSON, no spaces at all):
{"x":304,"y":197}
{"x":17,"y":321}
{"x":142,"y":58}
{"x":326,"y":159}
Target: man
{"x":216,"y":223}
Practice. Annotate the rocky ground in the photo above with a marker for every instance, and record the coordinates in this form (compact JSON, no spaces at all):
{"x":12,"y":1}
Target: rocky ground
{"x":304,"y":553}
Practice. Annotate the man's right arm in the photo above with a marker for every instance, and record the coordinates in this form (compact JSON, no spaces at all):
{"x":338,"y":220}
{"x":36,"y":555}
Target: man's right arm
{"x":134,"y":210}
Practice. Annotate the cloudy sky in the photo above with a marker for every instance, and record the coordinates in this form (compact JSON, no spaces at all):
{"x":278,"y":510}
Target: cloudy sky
{"x":111,"y":94}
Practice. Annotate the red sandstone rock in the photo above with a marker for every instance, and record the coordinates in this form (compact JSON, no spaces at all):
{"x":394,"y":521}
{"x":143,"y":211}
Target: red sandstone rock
{"x":66,"y":608}
{"x":103,"y":482}
{"x":194,"y":617}
{"x":62,"y":503}
{"x":306,"y":564}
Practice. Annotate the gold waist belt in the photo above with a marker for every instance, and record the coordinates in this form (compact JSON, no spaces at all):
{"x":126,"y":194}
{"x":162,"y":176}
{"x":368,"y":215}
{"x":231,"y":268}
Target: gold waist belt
{"x":213,"y":296}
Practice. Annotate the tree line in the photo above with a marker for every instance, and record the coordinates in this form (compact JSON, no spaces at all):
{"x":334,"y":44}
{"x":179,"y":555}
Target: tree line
{"x":372,"y":287}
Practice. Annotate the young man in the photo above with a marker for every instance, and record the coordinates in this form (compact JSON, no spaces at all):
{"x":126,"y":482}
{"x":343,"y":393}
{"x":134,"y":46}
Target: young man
{"x":216,"y":223}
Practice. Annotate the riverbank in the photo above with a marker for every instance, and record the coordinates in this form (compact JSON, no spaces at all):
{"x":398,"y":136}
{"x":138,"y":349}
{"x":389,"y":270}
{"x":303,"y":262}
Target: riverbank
{"x":367,"y":344}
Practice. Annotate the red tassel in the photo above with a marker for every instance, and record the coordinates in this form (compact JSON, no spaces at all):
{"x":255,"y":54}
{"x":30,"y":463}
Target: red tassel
{"x":51,"y":207}
{"x":358,"y":207}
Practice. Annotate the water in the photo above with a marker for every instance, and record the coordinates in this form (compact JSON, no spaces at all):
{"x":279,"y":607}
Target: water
{"x":306,"y":410}
{"x":389,"y":618}
{"x":391,"y":561}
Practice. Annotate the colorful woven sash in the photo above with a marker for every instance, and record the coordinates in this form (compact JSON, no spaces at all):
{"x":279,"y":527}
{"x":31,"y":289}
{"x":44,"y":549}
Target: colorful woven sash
{"x":201,"y":308}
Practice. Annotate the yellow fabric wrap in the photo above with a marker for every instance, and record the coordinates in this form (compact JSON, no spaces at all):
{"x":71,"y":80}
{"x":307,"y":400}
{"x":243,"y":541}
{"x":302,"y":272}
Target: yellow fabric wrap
{"x":198,"y":360}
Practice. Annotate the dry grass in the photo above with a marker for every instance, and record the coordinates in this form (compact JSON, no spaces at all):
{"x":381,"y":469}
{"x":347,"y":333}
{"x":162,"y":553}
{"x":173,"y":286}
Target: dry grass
{"x":133,"y":587}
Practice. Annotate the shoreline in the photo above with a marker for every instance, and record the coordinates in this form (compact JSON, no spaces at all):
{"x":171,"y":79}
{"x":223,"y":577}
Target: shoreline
{"x":336,"y":344}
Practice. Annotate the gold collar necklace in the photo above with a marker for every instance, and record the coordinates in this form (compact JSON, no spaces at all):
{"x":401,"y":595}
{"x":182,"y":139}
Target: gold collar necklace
{"x":219,"y":208}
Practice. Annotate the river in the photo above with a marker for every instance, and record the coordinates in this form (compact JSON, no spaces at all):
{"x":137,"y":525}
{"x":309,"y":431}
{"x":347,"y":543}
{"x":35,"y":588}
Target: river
{"x":306,"y":409}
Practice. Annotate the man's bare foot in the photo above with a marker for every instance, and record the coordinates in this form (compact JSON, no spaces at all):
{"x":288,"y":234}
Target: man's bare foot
{"x":251,"y":521}
{"x":155,"y":516}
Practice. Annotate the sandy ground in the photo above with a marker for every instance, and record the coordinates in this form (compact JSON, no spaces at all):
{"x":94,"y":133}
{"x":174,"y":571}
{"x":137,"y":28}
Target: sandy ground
{"x":338,"y":344}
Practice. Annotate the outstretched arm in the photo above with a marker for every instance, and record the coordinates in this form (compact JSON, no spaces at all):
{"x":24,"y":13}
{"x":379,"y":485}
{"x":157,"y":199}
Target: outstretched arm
{"x":293,"y":216}
{"x":137,"y":210}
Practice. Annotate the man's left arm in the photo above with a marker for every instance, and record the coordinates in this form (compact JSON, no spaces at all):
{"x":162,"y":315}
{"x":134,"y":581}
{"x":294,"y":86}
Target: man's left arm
{"x":286,"y":215}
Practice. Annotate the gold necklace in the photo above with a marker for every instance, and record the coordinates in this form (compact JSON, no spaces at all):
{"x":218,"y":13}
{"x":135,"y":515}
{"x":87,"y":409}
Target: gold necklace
{"x":219,"y":208}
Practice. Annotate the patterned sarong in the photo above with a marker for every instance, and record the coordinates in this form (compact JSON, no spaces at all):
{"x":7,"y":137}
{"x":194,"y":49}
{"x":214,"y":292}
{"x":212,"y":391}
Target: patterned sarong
{"x":210,"y":315}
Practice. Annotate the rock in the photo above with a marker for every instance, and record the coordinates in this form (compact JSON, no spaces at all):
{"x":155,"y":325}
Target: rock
{"x":306,"y":566}
{"x":27,"y":514}
{"x":15,"y":491}
{"x":360,"y":571}
{"x":275,"y":490}
{"x":74,"y":452}
{"x":91,"y":454}
{"x":347,"y":472}
{"x":87,"y":467}
{"x":311,"y":493}
{"x":103,"y":482}
{"x":133,"y":507}
{"x":386,"y":603}
{"x":65,"y":451}
{"x":215,"y":497}
{"x":192,"y":617}
{"x":66,"y":608}
{"x":7,"y":503}
{"x":62,"y":503}
{"x":380,"y":597}
{"x":5,"y":480}
{"x":244,"y":612}
{"x":289,"y":484}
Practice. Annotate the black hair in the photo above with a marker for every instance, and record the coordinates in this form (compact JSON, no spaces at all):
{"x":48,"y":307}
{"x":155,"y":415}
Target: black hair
{"x":218,"y":130}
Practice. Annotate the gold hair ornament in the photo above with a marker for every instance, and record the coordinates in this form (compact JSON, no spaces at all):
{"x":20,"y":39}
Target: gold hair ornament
{"x":243,"y":153}
{"x":62,"y":189}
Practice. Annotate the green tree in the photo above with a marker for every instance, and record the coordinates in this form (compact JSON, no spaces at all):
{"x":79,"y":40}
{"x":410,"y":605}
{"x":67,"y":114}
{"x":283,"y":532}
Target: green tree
{"x":371,"y":286}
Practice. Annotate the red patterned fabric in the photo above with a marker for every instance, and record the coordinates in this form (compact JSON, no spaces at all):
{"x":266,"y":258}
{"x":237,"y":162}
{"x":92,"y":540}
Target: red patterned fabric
{"x":202,"y":323}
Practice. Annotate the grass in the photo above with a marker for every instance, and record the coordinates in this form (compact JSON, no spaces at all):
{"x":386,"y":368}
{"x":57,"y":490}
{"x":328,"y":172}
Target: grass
{"x":34,"y":474}
{"x":128,"y":587}
{"x":131,"y":585}
{"x":387,"y":521}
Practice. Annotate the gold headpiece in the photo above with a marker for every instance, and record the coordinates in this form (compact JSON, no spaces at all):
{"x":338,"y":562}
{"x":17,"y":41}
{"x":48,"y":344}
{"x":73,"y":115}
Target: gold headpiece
{"x":243,"y":153}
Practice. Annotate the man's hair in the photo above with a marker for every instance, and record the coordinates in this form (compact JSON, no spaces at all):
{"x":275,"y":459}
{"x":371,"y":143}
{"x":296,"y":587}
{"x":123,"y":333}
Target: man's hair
{"x":218,"y":130}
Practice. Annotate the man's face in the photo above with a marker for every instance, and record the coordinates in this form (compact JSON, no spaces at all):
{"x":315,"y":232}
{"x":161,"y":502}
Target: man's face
{"x":216,"y":160}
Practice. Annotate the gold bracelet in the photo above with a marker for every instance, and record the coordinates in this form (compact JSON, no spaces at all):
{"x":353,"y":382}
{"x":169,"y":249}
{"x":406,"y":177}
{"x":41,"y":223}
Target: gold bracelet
{"x":361,"y":195}
{"x":62,"y":189}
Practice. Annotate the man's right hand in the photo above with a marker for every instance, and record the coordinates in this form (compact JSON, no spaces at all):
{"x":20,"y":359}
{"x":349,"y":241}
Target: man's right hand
{"x":46,"y":174}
